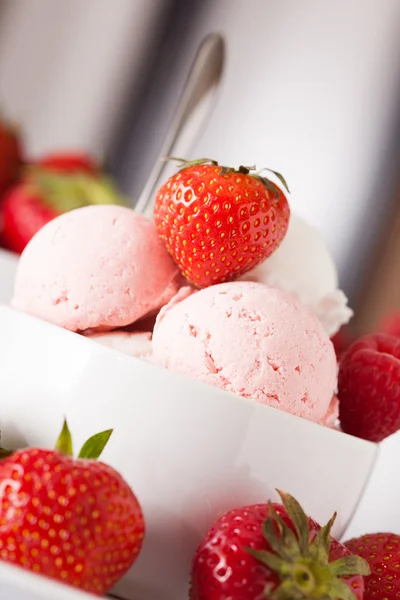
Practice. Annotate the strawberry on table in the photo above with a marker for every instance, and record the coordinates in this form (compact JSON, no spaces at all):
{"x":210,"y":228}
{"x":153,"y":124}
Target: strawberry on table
{"x":274,"y":552}
{"x":69,"y":162}
{"x":10,"y":155}
{"x":369,"y":387}
{"x":217,"y":222}
{"x":42,"y":196}
{"x":75,"y":520}
{"x":382,"y":552}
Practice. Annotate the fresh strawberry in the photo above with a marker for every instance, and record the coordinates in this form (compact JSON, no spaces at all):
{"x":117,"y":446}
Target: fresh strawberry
{"x":382,"y":552}
{"x":10,"y":156}
{"x":73,"y":520}
{"x":275,"y":552}
{"x":369,"y":387}
{"x":217,"y":222}
{"x":43,"y":196}
{"x":69,"y":162}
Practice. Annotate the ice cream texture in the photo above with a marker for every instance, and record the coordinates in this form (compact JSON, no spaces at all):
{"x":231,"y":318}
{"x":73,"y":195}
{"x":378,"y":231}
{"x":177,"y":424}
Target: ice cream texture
{"x":97,"y":268}
{"x":253,"y":340}
{"x":303,"y":266}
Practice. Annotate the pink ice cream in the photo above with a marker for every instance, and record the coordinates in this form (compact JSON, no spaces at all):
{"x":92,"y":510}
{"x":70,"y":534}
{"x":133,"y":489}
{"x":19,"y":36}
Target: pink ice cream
{"x":330,"y":419}
{"x":97,"y":268}
{"x":253,"y":340}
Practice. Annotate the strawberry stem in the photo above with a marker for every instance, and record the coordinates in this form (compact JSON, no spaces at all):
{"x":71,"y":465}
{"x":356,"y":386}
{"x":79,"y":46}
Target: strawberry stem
{"x":302,"y":567}
{"x":64,"y":442}
{"x":184,"y":164}
{"x":246,"y":170}
{"x":278,"y":175}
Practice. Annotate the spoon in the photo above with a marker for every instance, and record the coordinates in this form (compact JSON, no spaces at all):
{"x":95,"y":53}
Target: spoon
{"x":194,"y":108}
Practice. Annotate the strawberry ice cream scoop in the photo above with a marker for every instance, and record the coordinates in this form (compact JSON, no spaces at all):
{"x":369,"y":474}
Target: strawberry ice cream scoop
{"x":253,"y":340}
{"x":97,"y":268}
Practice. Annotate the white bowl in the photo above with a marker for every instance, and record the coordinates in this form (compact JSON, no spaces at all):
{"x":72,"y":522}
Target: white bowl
{"x":189,"y":451}
{"x":18,"y":584}
{"x":8,"y":268}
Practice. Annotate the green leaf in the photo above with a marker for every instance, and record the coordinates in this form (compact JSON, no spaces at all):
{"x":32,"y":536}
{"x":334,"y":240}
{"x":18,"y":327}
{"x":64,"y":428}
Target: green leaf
{"x":68,"y":192}
{"x":286,"y":544}
{"x":322,"y":542}
{"x":268,"y":531}
{"x":286,"y":591}
{"x":338,"y":590}
{"x":245,"y":170}
{"x":184,"y":164}
{"x":299,"y":519}
{"x":95,"y":445}
{"x":270,"y":185}
{"x":350,"y":565}
{"x":271,"y":560}
{"x":64,"y":442}
{"x":279,"y":176}
{"x":225,"y":171}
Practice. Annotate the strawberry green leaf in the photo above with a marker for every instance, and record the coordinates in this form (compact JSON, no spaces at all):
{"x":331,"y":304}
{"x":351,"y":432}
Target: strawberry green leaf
{"x":285,"y":543}
{"x":245,"y":170}
{"x":319,"y":548}
{"x":95,"y":445}
{"x":348,"y":565}
{"x":184,"y":164}
{"x":279,"y":176}
{"x":68,"y":192}
{"x":299,"y":519}
{"x":271,"y":560}
{"x":302,"y":568}
{"x":270,"y":185}
{"x":340,"y":591}
{"x":64,"y":442}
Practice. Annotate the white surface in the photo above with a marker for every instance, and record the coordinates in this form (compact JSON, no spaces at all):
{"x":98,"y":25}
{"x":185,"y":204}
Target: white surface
{"x":379,"y":508}
{"x":189,"y":451}
{"x":8,"y":267}
{"x":17,"y":584}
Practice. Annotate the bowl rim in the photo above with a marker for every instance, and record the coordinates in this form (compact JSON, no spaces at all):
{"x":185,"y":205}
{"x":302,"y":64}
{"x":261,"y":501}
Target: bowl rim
{"x":55,"y":331}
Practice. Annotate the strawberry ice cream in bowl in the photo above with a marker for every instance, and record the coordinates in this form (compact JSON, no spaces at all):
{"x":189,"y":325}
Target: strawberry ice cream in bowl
{"x":219,"y":387}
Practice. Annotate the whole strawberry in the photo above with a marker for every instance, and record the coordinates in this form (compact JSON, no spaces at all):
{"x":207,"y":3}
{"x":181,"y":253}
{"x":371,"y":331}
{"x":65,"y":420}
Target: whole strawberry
{"x":10,"y":156}
{"x":42,"y":196}
{"x":217,"y":222}
{"x":382,"y":552}
{"x":274,"y":552}
{"x":73,"y":520}
{"x":369,"y":387}
{"x":69,"y":162}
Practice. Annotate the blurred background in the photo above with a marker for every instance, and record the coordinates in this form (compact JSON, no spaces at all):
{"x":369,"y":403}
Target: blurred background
{"x":310,"y":88}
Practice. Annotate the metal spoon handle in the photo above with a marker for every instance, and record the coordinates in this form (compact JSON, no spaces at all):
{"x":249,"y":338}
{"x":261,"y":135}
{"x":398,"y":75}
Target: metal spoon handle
{"x":196,"y":103}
